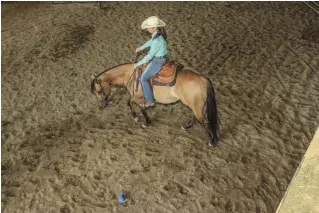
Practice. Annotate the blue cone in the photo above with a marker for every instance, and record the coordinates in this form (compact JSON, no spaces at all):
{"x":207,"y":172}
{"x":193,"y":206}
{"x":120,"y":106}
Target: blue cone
{"x":122,"y":198}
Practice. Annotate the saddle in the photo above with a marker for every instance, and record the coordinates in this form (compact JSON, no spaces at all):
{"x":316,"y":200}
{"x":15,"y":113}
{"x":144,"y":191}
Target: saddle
{"x":165,"y":77}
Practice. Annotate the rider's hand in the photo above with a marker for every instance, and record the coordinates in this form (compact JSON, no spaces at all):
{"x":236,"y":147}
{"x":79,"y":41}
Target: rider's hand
{"x":137,"y":50}
{"x":135,"y":65}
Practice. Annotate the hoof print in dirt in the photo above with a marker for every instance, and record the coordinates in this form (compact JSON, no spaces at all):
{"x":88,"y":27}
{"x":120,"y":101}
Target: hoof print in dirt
{"x":66,"y":209}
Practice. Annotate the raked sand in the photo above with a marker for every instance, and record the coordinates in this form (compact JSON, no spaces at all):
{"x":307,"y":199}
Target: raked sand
{"x":60,"y":153}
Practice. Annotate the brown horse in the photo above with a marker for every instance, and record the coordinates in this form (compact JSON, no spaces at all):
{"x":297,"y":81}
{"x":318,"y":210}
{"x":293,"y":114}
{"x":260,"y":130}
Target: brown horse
{"x":192,"y":89}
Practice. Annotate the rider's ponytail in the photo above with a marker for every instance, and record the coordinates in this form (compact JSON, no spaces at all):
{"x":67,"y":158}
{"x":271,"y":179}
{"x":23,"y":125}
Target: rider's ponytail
{"x":161,"y":32}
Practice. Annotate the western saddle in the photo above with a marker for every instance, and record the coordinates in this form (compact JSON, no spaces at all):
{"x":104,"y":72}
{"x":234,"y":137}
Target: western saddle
{"x":165,"y":77}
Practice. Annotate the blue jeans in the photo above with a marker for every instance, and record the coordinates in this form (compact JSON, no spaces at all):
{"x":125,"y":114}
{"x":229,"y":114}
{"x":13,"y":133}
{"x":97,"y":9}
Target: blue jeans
{"x":153,"y":68}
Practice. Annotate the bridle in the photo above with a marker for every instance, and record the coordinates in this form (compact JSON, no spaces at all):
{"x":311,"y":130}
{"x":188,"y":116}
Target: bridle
{"x":102,"y":88}
{"x":101,"y":91}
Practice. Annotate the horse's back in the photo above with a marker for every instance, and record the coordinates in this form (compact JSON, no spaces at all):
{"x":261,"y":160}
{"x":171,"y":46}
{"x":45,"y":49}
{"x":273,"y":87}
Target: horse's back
{"x":190,"y":81}
{"x":191,"y":87}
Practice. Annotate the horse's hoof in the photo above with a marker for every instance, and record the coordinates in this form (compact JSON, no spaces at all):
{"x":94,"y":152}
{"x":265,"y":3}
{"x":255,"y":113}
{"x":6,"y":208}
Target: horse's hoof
{"x":210,"y":145}
{"x":136,"y":119}
{"x":183,"y":128}
{"x":144,"y":126}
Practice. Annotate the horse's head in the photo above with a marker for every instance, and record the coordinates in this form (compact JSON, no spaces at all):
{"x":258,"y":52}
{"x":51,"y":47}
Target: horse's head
{"x":101,"y":89}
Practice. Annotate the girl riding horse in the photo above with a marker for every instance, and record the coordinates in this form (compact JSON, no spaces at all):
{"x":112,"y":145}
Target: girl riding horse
{"x":156,"y":56}
{"x":191,"y":88}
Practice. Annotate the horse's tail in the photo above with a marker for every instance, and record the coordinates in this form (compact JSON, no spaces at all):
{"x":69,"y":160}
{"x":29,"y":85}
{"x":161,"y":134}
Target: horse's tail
{"x":212,"y":119}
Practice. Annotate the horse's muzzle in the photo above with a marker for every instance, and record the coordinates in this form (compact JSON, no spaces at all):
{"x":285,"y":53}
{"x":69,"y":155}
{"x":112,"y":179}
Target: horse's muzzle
{"x":104,"y":103}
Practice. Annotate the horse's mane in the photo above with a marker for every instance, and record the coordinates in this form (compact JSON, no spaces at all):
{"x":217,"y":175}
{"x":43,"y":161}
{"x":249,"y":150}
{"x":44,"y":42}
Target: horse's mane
{"x":93,"y":80}
{"x":111,"y":69}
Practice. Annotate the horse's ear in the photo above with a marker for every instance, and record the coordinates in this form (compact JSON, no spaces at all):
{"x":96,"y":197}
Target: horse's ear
{"x":92,"y":77}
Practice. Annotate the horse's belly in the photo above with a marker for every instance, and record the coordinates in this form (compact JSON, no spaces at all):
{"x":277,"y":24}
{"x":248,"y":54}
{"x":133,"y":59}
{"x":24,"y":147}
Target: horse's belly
{"x":165,"y":95}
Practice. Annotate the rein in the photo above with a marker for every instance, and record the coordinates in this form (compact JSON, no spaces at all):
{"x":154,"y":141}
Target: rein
{"x":114,"y":93}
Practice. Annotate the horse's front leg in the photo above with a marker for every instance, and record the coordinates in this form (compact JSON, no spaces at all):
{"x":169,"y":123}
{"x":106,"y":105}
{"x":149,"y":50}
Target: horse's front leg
{"x":138,"y":101}
{"x":133,"y":112}
{"x":147,"y":118}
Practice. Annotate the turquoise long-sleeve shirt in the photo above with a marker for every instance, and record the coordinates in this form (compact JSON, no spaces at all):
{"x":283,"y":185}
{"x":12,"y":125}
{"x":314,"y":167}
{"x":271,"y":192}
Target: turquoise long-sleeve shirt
{"x":158,"y":48}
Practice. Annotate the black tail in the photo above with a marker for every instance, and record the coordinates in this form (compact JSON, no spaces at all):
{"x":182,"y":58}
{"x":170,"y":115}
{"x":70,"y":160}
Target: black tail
{"x":212,"y":119}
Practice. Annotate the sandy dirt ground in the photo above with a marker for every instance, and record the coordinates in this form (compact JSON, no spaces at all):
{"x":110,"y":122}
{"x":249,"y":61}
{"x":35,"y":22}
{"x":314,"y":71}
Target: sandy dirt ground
{"x":61,"y":154}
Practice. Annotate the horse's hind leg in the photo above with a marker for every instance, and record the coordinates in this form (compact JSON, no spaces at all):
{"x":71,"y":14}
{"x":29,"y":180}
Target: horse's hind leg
{"x":202,"y":120}
{"x":197,"y":108}
{"x":133,"y":112}
{"x":189,"y":124}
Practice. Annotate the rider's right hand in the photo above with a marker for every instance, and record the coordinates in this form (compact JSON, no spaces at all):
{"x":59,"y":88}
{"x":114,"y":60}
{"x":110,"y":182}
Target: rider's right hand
{"x":137,"y":50}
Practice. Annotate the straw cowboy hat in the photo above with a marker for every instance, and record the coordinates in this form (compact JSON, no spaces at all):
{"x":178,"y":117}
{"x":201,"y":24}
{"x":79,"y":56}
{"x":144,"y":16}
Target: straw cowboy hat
{"x":153,"y":21}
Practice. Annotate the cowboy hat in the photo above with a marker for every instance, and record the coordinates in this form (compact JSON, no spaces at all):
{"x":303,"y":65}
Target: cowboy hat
{"x":153,"y":21}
